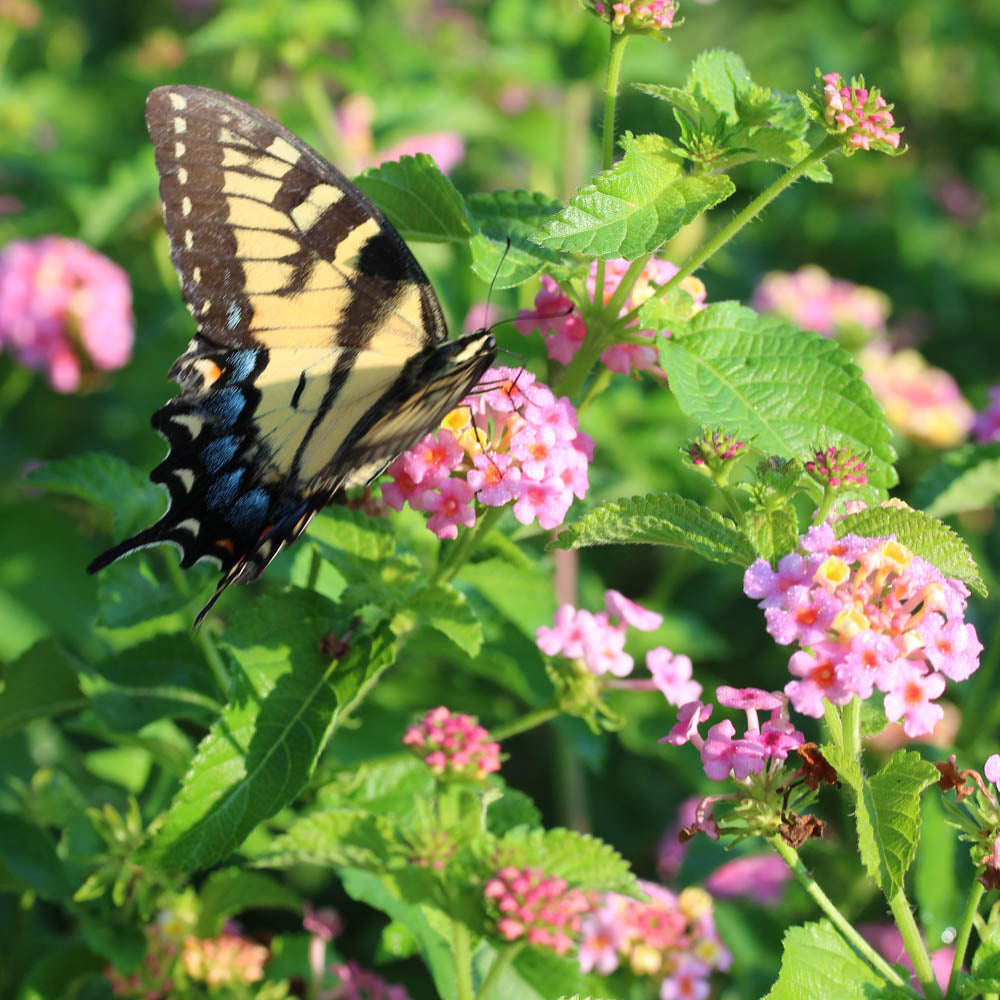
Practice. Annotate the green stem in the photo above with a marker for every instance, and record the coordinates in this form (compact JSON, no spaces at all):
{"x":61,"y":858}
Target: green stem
{"x":852,"y":727}
{"x":464,"y":545}
{"x":729,"y":495}
{"x":621,"y":293}
{"x":601,"y":381}
{"x":571,"y":381}
{"x":15,"y":384}
{"x":314,"y":567}
{"x":820,"y":898}
{"x":962,"y":939}
{"x":504,"y":957}
{"x":724,"y":235}
{"x":462,"y":954}
{"x":914,"y":944}
{"x":831,"y":715}
{"x":536,"y":718}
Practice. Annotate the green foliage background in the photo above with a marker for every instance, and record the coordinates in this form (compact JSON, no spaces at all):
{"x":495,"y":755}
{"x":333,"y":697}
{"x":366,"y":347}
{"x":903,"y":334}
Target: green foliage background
{"x":76,"y":156}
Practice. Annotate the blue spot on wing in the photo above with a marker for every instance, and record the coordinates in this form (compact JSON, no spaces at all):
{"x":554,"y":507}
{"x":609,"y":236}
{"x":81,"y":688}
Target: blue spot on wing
{"x":241,"y":365}
{"x":219,"y":452}
{"x":226,"y":404}
{"x":233,"y":315}
{"x":222,"y":493}
{"x":250,"y":510}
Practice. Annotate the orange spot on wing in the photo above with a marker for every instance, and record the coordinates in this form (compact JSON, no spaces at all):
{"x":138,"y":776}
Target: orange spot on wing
{"x":225,"y":543}
{"x":212,"y":372}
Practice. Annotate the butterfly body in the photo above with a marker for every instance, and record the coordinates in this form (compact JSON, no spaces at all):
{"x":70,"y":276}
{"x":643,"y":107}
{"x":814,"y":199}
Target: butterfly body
{"x":321,"y":352}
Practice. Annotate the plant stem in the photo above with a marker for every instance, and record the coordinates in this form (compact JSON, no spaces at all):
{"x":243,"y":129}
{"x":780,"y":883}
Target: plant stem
{"x":620,"y":294}
{"x":13,"y":387}
{"x":314,"y":567}
{"x":724,"y":235}
{"x":504,"y":957}
{"x":964,"y":931}
{"x":462,"y":955}
{"x":852,"y":727}
{"x":459,"y":553}
{"x":820,"y":898}
{"x":536,"y":718}
{"x":914,"y":944}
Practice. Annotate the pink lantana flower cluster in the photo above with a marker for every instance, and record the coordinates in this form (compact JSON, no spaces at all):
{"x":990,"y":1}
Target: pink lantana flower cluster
{"x":637,"y":15}
{"x":540,"y":908}
{"x":64,"y":309}
{"x":593,"y":639}
{"x":987,"y":425}
{"x":453,"y":744}
{"x":670,"y":936}
{"x":515,"y":443}
{"x":922,"y":402}
{"x":226,"y":958}
{"x":153,"y":977}
{"x":723,"y":754}
{"x":836,"y":467}
{"x":867,"y":615}
{"x":861,"y":112}
{"x":564,"y":330}
{"x":813,"y":300}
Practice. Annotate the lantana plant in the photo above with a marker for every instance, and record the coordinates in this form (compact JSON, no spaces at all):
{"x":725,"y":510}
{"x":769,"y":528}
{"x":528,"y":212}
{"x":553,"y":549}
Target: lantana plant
{"x":357,"y":728}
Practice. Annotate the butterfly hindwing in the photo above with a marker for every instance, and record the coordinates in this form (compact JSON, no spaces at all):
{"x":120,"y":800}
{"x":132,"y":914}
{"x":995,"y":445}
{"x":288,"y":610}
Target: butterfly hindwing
{"x":321,"y":352}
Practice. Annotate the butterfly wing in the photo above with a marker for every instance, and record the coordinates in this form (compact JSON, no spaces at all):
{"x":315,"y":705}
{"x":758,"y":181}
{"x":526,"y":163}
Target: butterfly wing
{"x":321,"y":351}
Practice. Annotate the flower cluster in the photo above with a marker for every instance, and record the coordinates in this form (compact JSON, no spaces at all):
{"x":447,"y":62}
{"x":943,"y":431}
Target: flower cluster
{"x":670,"y":936}
{"x":564,"y":330}
{"x":861,"y":112}
{"x":514,"y":442}
{"x":723,"y":755}
{"x":922,"y":402}
{"x":153,"y":977}
{"x":987,"y":425}
{"x":637,"y":15}
{"x":813,"y":300}
{"x":836,"y":467}
{"x":593,"y":639}
{"x":542,"y":909}
{"x":64,"y":308}
{"x":715,"y":447}
{"x":867,"y":614}
{"x":454,"y":745}
{"x":357,"y":983}
{"x":226,"y":958}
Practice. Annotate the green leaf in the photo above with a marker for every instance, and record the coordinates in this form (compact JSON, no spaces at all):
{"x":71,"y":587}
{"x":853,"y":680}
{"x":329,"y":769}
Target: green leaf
{"x":818,"y":964}
{"x":130,"y":593}
{"x":659,"y":519}
{"x":774,"y":533}
{"x":582,"y":860}
{"x":936,"y":889}
{"x":348,"y":537}
{"x":923,"y":535}
{"x":511,"y":810}
{"x":443,"y":608}
{"x":418,"y":199}
{"x":108,"y":482}
{"x":288,"y":698}
{"x":965,"y":479}
{"x":680,"y":98}
{"x":28,"y":859}
{"x":789,"y":390}
{"x":887,"y":810}
{"x":718,"y":76}
{"x":60,"y":970}
{"x":635,"y":207}
{"x":42,"y":683}
{"x":230,"y":891}
{"x":521,"y":594}
{"x":514,"y":214}
{"x":986,"y":960}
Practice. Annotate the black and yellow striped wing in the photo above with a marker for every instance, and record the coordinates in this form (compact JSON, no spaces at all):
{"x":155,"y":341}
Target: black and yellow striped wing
{"x":321,"y":352}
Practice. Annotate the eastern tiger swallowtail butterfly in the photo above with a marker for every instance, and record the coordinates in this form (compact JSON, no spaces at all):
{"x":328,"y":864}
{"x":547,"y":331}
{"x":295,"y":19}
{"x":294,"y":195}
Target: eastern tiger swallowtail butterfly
{"x":321,"y":351}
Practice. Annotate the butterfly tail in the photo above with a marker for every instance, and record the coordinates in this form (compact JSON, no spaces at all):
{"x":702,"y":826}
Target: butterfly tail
{"x":153,"y":535}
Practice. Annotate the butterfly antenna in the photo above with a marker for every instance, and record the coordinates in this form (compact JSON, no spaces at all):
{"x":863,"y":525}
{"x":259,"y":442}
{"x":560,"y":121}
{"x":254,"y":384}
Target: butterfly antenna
{"x":496,"y":274}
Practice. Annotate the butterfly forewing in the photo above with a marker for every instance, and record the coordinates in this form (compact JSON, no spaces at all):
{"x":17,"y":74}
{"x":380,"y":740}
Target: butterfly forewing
{"x":321,"y":350}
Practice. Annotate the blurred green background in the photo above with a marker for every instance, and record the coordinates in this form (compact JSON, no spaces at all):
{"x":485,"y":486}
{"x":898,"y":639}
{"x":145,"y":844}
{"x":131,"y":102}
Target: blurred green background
{"x":520,"y":81}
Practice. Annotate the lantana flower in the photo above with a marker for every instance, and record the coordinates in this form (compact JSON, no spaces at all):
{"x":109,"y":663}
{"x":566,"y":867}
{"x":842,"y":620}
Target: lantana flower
{"x":512,"y":443}
{"x":64,"y":309}
{"x":563,"y":328}
{"x":452,"y":743}
{"x":862,"y":114}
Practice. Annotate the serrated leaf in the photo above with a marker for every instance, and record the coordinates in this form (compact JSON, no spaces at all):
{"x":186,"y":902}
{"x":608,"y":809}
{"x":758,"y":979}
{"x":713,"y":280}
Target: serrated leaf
{"x":332,"y":837}
{"x":418,"y":199}
{"x":965,"y":479}
{"x":41,"y":683}
{"x":635,"y":207}
{"x":230,"y":891}
{"x":513,"y":214}
{"x":443,"y":608}
{"x":659,"y":519}
{"x":923,"y":535}
{"x":717,"y":76}
{"x":774,"y":533}
{"x":887,"y":811}
{"x":108,"y":482}
{"x":288,"y":698}
{"x":129,"y":593}
{"x":511,"y":810}
{"x":787,"y":389}
{"x":579,"y":858}
{"x":346,"y":535}
{"x":818,"y":964}
{"x":986,"y":960}
{"x":682,"y":99}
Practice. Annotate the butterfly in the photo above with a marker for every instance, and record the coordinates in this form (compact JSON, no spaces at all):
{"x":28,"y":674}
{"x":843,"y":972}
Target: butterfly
{"x":321,"y":352}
